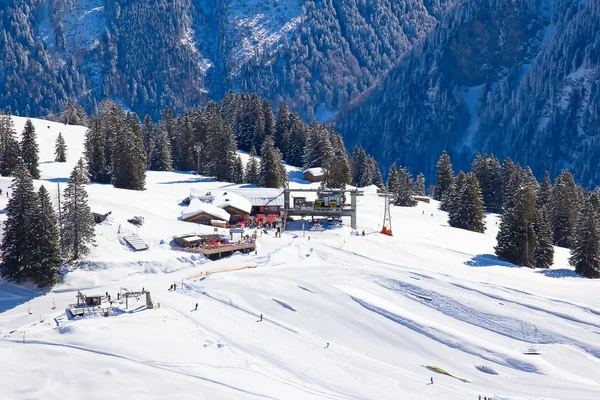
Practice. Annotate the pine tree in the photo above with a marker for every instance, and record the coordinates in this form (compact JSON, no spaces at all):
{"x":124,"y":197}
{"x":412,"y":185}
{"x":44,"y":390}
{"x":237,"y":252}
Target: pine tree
{"x":585,"y":253}
{"x":467,"y":204}
{"x":252,"y":174}
{"x":222,"y":148}
{"x":295,"y":142}
{"x":148,"y":134}
{"x":30,"y":150}
{"x":282,"y":132}
{"x":10,"y":154}
{"x":545,"y":192}
{"x":419,"y":188}
{"x":403,"y":193}
{"x":516,"y":237}
{"x":19,"y":247}
{"x":393,"y":179}
{"x":564,"y":209}
{"x":60,"y":151}
{"x":129,"y":161}
{"x":544,"y":252}
{"x":509,"y":169}
{"x":238,"y":170}
{"x":445,"y":176}
{"x":160,"y":153}
{"x":357,"y":164}
{"x":335,"y":163}
{"x":48,"y":239}
{"x":271,"y":166}
{"x":77,"y":220}
{"x":168,"y":126}
{"x":489,"y":174}
{"x":268,"y":119}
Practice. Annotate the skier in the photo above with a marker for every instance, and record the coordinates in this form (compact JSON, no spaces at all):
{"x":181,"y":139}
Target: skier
{"x":261,"y":317}
{"x":432,"y":380}
{"x":363,"y":233}
{"x":327,"y":345}
{"x":174,"y":286}
{"x":196,"y":307}
{"x":171,"y":288}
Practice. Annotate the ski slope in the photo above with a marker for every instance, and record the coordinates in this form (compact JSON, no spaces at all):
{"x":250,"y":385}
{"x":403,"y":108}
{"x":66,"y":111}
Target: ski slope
{"x":388,"y":307}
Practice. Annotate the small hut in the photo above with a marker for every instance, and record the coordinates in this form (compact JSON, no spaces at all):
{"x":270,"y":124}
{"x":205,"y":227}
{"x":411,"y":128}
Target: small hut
{"x":314,"y":174}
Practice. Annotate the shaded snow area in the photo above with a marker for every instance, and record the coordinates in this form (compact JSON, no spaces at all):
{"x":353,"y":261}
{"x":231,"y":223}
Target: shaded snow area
{"x":472,"y":99}
{"x":323,"y":114}
{"x":344,"y":316}
{"x":256,"y":25}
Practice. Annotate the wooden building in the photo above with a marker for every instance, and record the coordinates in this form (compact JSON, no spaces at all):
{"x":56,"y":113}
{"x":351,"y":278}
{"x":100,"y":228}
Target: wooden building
{"x":314,"y":174}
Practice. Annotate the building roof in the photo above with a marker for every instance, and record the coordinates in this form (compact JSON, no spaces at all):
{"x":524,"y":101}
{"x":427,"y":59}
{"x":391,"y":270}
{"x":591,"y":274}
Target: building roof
{"x":197,"y":207}
{"x":224,"y":199}
{"x":193,"y":238}
{"x":317,"y":171}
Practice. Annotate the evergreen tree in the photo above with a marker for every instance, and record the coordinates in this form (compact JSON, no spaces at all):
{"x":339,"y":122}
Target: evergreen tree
{"x":10,"y":154}
{"x":335,"y":163}
{"x":223,"y":148}
{"x":268,"y":119}
{"x":509,"y":169}
{"x":445,"y":176}
{"x":271,"y":166}
{"x":403,"y":193}
{"x":564,"y":209}
{"x":516,"y":237}
{"x":545,"y":192}
{"x":295,"y":142}
{"x":76,"y":219}
{"x":419,"y":188}
{"x":160,"y":153}
{"x":187,"y":140}
{"x":47,"y":237}
{"x":252,"y":170}
{"x":357,"y":164}
{"x":238,"y":170}
{"x":19,"y":246}
{"x":30,"y":150}
{"x":129,"y":161}
{"x":544,"y":252}
{"x":466,"y":211}
{"x":489,"y":174}
{"x":168,"y":126}
{"x":585,"y":253}
{"x":60,"y":151}
{"x":282,"y":132}
{"x":148,"y":134}
{"x":393,"y":179}
{"x":373,"y":176}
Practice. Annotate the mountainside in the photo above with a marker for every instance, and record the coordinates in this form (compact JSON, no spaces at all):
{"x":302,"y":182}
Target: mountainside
{"x":512,"y":78}
{"x":344,"y":316}
{"x":157,"y":53}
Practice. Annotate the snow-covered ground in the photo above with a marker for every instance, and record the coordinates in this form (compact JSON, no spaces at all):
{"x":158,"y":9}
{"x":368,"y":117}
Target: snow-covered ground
{"x":388,"y":307}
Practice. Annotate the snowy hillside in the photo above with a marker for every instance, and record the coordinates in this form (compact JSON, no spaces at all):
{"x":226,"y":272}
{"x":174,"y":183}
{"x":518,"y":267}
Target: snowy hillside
{"x":344,"y":316}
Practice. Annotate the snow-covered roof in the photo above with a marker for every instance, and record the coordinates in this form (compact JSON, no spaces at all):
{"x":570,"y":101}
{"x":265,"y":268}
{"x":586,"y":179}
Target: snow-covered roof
{"x":191,"y":238}
{"x":317,"y":171}
{"x":197,"y":207}
{"x":224,"y":199}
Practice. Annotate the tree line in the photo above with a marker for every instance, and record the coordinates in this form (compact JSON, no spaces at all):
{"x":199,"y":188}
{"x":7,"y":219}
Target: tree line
{"x":206,"y":139}
{"x":535,"y":216}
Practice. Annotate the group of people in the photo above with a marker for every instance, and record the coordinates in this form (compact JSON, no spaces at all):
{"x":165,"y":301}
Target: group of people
{"x":485,"y":398}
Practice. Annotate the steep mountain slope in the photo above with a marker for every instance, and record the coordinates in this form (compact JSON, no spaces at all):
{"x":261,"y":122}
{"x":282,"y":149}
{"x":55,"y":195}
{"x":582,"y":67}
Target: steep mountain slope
{"x":156,"y":53}
{"x":497,"y":76}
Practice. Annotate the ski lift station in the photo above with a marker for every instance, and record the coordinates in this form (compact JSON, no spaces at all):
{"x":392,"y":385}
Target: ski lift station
{"x":329,"y":203}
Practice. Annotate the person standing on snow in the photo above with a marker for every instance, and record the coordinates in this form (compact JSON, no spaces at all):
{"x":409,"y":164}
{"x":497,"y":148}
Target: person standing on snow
{"x":261,"y":317}
{"x":196,"y":307}
{"x":432,"y":380}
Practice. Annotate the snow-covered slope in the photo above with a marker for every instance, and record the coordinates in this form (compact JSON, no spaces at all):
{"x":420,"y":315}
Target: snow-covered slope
{"x":344,"y":316}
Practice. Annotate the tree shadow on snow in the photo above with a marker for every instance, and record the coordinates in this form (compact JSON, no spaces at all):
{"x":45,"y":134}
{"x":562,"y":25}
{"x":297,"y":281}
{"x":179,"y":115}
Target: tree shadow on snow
{"x":197,"y":180}
{"x":560,"y":273}
{"x":488,"y":260}
{"x":12,"y":295}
